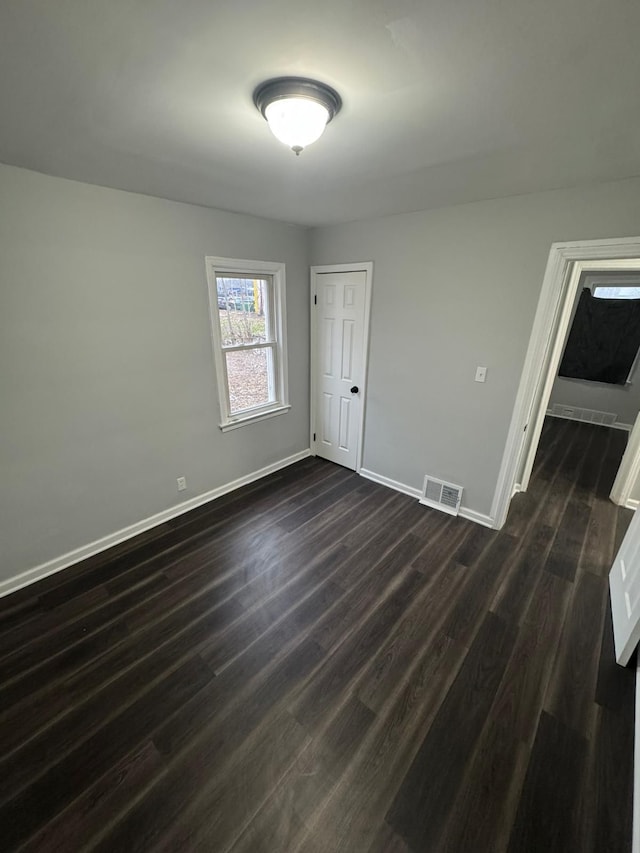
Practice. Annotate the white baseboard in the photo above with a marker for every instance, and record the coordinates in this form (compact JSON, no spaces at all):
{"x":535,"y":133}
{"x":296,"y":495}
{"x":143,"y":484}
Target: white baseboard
{"x":464,"y":512}
{"x":615,"y":425}
{"x":632,"y":503}
{"x":392,"y":484}
{"x":66,"y":560}
{"x":478,"y":517}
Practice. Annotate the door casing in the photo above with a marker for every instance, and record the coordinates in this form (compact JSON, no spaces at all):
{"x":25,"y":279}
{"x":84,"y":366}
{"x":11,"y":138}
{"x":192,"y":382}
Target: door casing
{"x":553,"y":315}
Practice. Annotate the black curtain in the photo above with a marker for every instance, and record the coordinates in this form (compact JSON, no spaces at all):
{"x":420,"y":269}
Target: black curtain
{"x":604,"y":339}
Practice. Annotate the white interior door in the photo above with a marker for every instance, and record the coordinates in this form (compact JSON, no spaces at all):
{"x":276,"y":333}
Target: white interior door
{"x":629,"y":470}
{"x":340,"y":318}
{"x":624,"y":582}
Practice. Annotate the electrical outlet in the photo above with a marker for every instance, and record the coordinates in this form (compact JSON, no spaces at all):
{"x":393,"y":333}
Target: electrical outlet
{"x":182,"y":484}
{"x":481,"y":374}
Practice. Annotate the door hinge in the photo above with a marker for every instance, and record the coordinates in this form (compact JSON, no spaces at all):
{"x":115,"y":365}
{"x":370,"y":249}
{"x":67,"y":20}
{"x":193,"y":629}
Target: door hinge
{"x":315,"y":299}
{"x":314,"y":436}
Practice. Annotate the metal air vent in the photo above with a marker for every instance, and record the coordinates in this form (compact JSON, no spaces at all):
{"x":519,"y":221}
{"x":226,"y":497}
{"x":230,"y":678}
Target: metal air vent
{"x":441,"y":495}
{"x":575,"y":413}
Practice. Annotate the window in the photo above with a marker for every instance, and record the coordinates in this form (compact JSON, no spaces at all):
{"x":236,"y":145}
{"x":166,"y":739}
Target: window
{"x":617,"y":292}
{"x":247,"y":322}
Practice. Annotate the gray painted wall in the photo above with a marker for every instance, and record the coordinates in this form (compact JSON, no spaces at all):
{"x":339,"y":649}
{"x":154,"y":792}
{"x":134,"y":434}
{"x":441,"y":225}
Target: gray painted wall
{"x":107,"y":383}
{"x":452,"y":289}
{"x":622,"y":400}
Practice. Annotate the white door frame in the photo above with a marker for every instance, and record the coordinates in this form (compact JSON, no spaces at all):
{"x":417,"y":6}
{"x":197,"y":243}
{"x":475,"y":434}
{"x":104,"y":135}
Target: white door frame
{"x":367,"y":268}
{"x":551,"y":323}
{"x":628,"y":471}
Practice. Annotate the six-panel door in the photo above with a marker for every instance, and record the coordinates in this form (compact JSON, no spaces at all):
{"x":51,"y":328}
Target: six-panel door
{"x":340,"y":319}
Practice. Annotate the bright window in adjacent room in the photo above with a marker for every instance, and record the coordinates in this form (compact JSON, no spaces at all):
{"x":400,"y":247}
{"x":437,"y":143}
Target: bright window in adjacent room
{"x":248,"y":323}
{"x":617,"y":292}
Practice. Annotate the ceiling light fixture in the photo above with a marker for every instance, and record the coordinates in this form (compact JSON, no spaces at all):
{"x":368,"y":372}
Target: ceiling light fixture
{"x":296,"y":109}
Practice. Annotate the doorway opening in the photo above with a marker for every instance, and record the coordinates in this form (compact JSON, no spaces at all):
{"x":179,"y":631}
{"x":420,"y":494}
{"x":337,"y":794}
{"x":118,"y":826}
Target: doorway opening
{"x":567,"y":264}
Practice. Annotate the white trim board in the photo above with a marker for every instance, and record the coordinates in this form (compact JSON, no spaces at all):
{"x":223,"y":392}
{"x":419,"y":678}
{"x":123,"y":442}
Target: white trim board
{"x":391,"y":484}
{"x":629,"y":470}
{"x":463,"y":512}
{"x":92,"y":548}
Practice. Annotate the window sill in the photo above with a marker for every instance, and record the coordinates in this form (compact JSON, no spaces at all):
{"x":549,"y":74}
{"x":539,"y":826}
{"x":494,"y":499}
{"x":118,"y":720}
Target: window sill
{"x":243,"y":420}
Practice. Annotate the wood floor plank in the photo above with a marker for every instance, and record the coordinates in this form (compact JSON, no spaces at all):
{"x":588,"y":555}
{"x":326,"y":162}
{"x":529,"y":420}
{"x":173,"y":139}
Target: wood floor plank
{"x":136,"y":665}
{"x":520,"y":512}
{"x":597,"y":554}
{"x":137,"y":562}
{"x":89,"y":814}
{"x":573,"y":684}
{"x":512,"y":597}
{"x":615,"y":687}
{"x":477,"y":541}
{"x":218,"y":813}
{"x":566,"y":549}
{"x":280,"y":823}
{"x":192,"y":609}
{"x":348,"y":817}
{"x":421,"y":806}
{"x":388,"y":668}
{"x":276,"y":826}
{"x":388,"y":842}
{"x":62,"y":734}
{"x":446,"y":546}
{"x":485,"y":807}
{"x":387,"y":568}
{"x":310,"y":778}
{"x":612,"y":824}
{"x":249,"y":690}
{"x":315,"y":663}
{"x":617,"y":445}
{"x":147,"y":545}
{"x":55,"y":789}
{"x":176,"y":562}
{"x":326,"y":688}
{"x":252,"y":626}
{"x":478,"y":594}
{"x":589,"y":474}
{"x":203,"y":760}
{"x":548,"y":813}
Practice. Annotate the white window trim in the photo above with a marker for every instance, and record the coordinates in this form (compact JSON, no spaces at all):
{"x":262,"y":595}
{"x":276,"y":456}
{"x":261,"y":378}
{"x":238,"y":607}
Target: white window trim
{"x":226,"y":266}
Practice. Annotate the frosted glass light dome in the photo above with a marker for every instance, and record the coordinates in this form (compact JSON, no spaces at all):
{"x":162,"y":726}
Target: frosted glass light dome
{"x":297,"y":109}
{"x":297,"y":121}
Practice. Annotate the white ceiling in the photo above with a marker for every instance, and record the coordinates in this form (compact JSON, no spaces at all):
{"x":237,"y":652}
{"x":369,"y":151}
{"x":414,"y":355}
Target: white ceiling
{"x":445,"y":101}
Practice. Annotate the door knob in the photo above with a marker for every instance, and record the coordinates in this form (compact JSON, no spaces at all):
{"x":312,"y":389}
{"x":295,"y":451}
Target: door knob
{"x":355,"y":389}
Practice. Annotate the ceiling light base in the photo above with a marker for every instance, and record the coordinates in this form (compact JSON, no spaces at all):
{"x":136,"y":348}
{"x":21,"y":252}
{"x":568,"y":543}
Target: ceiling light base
{"x":297,"y":109}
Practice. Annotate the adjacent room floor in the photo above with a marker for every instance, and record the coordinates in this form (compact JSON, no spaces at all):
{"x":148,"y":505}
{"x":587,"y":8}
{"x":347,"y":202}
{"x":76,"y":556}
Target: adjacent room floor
{"x":317,"y":663}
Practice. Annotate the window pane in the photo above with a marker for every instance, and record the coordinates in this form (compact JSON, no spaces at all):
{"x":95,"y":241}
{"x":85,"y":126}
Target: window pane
{"x":622,"y":292}
{"x":243,"y":310}
{"x":249,"y":373}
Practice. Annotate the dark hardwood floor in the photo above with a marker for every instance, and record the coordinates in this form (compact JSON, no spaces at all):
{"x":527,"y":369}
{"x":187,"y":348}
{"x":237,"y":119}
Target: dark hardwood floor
{"x":316,"y":663}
